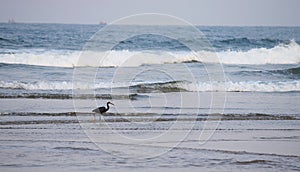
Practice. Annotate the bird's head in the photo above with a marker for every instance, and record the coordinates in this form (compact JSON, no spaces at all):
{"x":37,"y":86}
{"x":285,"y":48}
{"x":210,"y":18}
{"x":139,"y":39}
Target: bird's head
{"x":110,"y":103}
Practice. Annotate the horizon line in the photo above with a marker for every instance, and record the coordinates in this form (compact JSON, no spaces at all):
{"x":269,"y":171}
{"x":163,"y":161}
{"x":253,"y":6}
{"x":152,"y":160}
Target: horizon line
{"x":216,"y":25}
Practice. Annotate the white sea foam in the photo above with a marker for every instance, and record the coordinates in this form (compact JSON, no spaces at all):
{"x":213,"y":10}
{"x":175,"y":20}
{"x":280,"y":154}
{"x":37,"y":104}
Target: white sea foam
{"x":65,"y":85}
{"x":281,"y":54}
{"x":37,"y":85}
{"x":43,"y":85}
{"x":41,"y":58}
{"x":229,"y":86}
{"x":244,"y":86}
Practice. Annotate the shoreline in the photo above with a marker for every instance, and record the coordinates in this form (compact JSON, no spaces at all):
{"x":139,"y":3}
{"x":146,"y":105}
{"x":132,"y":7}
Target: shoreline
{"x":245,"y":142}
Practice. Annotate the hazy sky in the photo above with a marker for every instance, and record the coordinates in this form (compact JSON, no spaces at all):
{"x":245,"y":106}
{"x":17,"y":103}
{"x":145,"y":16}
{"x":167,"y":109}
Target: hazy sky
{"x":198,"y":12}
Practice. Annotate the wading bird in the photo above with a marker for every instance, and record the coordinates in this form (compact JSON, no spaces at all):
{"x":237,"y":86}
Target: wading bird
{"x":102,"y":109}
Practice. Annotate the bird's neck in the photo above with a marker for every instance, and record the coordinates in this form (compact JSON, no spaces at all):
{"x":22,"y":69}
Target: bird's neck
{"x":107,"y":106}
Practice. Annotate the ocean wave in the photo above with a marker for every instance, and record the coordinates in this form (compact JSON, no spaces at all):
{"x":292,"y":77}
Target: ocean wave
{"x":295,"y":72}
{"x":280,"y":54}
{"x":170,"y":86}
{"x":70,"y":96}
{"x":165,"y":87}
{"x":66,"y":85}
{"x":143,"y":87}
{"x":290,"y":73}
{"x":246,"y":41}
{"x":229,"y":86}
{"x":42,"y":85}
{"x":59,"y":85}
{"x":53,"y":58}
{"x":244,"y":86}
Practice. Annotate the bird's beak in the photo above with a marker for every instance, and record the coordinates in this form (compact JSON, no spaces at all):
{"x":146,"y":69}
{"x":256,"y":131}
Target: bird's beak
{"x":112,"y":103}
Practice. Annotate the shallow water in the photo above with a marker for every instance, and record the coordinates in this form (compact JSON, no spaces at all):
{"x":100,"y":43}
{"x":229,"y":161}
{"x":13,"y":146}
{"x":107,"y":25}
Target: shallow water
{"x":168,"y":103}
{"x":236,"y":145}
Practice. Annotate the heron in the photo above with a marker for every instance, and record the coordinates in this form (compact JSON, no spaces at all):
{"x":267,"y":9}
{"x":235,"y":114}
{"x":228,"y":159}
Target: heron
{"x":102,"y":109}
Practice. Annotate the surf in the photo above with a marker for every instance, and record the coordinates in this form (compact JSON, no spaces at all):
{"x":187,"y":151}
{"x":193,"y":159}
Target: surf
{"x":280,"y":54}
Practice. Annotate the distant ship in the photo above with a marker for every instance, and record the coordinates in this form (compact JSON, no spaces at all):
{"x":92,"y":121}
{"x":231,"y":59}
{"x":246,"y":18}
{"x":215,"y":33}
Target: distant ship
{"x":11,"y":20}
{"x":102,"y":23}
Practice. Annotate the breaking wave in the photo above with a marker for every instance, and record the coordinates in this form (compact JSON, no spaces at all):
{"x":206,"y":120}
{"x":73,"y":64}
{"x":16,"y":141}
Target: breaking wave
{"x":48,"y":85}
{"x":229,"y":86}
{"x":173,"y":86}
{"x":280,"y":54}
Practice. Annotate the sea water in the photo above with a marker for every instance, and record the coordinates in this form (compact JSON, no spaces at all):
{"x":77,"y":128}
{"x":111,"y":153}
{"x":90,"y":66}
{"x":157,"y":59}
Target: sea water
{"x":46,"y":94}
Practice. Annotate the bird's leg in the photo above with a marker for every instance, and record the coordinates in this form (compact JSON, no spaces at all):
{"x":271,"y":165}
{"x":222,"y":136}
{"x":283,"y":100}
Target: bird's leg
{"x":94,"y":118}
{"x":100,"y":118}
